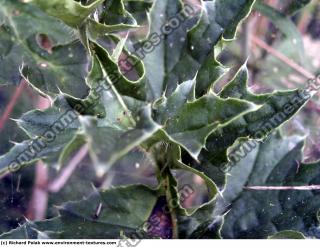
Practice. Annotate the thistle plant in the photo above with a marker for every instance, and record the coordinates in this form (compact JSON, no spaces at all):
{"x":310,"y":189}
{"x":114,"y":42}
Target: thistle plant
{"x":113,"y":92}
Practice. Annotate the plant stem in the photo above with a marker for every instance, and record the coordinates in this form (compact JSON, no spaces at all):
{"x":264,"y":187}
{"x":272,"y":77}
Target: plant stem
{"x":173,"y":213}
{"x":39,"y":200}
{"x":245,"y":41}
{"x":57,"y":184}
{"x":283,"y":58}
{"x":306,"y":187}
{"x":167,"y":183}
{"x":12,"y":103}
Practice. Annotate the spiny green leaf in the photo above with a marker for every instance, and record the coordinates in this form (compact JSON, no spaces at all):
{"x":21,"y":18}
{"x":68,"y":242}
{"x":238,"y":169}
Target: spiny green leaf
{"x":179,"y":49}
{"x":117,"y":130}
{"x":101,"y":101}
{"x":190,"y":221}
{"x":69,"y":11}
{"x":121,"y":79}
{"x":111,"y":17}
{"x":26,"y":231}
{"x":37,"y":122}
{"x":167,"y":108}
{"x":190,"y":123}
{"x":174,"y":73}
{"x":276,"y":108}
{"x":260,"y":213}
{"x":83,"y":220}
{"x":77,"y":15}
{"x":46,"y":59}
{"x":23,"y":20}
{"x":163,"y":51}
{"x":201,"y":220}
{"x":115,"y":12}
{"x":110,"y":134}
{"x":109,"y":143}
{"x":32,"y":40}
{"x":139,"y":9}
{"x":49,"y":130}
{"x":172,"y":157}
{"x":218,"y":20}
{"x":64,"y":69}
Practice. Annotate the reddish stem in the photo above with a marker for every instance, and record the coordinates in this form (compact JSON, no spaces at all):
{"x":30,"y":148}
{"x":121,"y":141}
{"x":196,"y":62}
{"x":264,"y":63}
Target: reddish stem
{"x":56,"y":185}
{"x":7,"y":112}
{"x":39,"y":201}
{"x":283,"y":58}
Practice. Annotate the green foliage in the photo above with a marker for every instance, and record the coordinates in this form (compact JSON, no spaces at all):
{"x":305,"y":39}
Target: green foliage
{"x":286,"y":26}
{"x":295,"y":6}
{"x":287,"y":235}
{"x":78,"y":219}
{"x":276,"y":162}
{"x":113,"y":99}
